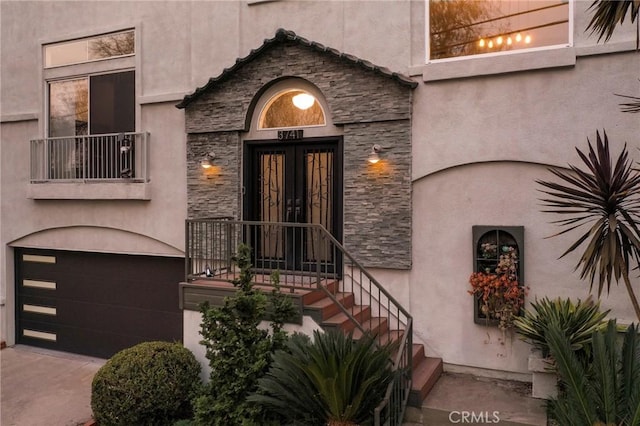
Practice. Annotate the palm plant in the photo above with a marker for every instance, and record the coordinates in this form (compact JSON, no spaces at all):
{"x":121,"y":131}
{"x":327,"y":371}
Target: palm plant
{"x":607,"y":15}
{"x":578,"y":321}
{"x":607,"y":197}
{"x":332,"y":381}
{"x":605,"y":391}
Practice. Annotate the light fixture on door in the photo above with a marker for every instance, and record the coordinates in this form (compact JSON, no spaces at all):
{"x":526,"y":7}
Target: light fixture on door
{"x":374,"y":155}
{"x":303,"y":100}
{"x":207,"y":161}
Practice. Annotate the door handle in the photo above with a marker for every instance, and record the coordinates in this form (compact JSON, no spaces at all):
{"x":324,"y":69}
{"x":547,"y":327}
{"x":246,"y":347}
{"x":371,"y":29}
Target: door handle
{"x":289,"y":210}
{"x":298,"y":210}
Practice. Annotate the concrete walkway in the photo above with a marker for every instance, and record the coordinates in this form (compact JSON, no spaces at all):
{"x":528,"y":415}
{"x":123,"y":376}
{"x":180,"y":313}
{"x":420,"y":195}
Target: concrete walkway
{"x":39,"y":387}
{"x":48,"y":388}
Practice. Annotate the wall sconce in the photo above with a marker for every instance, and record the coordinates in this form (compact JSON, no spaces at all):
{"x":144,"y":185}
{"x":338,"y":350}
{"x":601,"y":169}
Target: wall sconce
{"x":374,"y":155}
{"x":207,"y":161}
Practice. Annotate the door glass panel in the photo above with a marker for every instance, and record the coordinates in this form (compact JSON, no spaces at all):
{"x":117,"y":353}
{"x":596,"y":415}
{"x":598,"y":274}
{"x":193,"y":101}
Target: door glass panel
{"x":271,"y":202}
{"x":319,"y":200}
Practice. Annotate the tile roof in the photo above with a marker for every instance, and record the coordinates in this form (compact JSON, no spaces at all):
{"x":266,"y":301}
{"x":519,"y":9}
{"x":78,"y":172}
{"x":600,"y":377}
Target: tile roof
{"x":283,"y":35}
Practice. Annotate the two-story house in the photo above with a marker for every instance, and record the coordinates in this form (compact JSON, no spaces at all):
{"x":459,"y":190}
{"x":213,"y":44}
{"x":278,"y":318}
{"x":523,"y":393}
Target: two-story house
{"x":426,"y":126}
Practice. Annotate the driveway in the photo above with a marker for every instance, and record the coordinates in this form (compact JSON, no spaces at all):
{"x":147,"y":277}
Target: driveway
{"x":39,"y":387}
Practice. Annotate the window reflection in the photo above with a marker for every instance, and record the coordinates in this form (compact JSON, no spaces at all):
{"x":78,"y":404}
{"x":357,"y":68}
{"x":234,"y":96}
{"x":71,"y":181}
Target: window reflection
{"x":89,"y":49}
{"x":471,"y":27}
{"x":281,"y":111}
{"x":68,"y":107}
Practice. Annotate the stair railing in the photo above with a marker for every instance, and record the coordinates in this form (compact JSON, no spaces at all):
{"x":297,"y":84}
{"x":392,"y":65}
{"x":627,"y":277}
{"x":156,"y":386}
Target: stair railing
{"x":309,"y":258}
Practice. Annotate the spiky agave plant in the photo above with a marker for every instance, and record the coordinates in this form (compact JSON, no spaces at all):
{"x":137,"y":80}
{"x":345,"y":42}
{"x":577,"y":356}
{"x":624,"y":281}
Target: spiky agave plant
{"x":606,"y":197}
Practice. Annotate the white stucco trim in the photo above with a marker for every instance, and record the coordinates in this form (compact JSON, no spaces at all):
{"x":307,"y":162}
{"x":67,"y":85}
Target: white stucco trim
{"x":90,"y":191}
{"x":14,"y":118}
{"x":606,"y":48}
{"x":499,"y":64}
{"x":162,"y":98}
{"x":97,"y":239}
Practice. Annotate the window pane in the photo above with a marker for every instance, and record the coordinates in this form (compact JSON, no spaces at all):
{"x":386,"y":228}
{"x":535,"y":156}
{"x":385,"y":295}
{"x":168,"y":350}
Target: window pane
{"x":285,"y":110}
{"x":89,"y":49}
{"x":111,"y":45}
{"x":113,"y":103}
{"x":471,"y":27}
{"x":68,"y":107}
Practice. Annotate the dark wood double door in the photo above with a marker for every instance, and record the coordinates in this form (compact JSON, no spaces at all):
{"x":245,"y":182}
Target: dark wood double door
{"x":294,"y":185}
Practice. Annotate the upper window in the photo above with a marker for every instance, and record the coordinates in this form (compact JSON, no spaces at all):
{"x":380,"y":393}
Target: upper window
{"x":89,"y":49}
{"x":96,"y":104}
{"x":291,"y":108}
{"x":473,"y":27}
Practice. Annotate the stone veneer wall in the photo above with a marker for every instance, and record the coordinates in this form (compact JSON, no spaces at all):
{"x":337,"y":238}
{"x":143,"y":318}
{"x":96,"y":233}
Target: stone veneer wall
{"x":372,"y":108}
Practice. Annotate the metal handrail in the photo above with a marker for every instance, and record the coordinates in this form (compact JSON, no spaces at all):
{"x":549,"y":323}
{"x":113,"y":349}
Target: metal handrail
{"x":213,"y":239}
{"x":109,"y":157}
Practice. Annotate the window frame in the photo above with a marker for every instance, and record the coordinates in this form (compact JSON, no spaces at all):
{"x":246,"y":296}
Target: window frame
{"x":87,"y":39}
{"x":427,"y":47}
{"x":124,"y":63}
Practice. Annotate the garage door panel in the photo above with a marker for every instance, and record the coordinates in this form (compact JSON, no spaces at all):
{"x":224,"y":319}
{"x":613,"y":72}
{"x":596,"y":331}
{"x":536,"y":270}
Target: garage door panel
{"x":96,"y":303}
{"x":122,"y":290}
{"x":141,"y":322}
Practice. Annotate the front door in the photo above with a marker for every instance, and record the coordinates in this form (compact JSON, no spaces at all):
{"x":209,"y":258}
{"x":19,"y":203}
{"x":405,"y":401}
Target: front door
{"x":294,"y":184}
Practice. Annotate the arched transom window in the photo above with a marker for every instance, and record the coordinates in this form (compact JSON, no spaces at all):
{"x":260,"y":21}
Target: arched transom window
{"x":291,"y":108}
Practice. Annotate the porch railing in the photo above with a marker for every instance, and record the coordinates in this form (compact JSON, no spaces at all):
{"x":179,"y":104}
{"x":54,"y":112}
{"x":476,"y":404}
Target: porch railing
{"x":107,"y":157}
{"x":308,"y":257}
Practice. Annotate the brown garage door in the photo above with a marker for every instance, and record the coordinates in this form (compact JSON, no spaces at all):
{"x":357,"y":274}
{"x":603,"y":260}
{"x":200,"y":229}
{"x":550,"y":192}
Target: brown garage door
{"x":94,"y":303}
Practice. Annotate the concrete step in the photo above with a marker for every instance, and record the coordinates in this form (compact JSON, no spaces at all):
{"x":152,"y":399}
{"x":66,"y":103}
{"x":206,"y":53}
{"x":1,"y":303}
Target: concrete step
{"x":325,"y":308}
{"x":341,"y":321}
{"x":425,"y":374}
{"x":376,"y":326}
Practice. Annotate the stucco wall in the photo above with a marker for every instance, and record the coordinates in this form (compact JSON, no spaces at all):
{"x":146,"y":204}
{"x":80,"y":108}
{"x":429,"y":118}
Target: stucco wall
{"x":446,"y":206}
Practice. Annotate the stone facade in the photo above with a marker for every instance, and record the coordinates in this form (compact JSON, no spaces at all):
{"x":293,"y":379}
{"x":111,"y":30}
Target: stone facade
{"x":371,"y":107}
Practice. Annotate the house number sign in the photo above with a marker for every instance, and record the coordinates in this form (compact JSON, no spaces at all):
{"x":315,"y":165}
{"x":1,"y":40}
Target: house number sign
{"x":289,"y":135}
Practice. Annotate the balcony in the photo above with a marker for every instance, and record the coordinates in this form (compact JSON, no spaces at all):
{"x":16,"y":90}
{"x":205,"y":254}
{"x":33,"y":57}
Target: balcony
{"x":100,"y":167}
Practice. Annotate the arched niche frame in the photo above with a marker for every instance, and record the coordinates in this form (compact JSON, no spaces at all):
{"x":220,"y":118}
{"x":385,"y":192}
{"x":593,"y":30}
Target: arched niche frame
{"x":489,"y":242}
{"x":282,"y":90}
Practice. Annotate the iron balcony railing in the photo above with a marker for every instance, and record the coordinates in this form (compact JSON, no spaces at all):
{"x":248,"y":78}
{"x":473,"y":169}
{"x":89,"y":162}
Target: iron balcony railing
{"x":107,"y":157}
{"x":308,"y":257}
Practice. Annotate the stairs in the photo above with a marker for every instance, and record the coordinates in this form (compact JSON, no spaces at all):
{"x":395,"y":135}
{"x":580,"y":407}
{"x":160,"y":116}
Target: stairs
{"x":323,"y":310}
{"x":320,"y":307}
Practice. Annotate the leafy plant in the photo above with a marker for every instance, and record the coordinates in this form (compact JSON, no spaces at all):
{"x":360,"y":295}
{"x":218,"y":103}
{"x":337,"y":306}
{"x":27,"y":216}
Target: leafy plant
{"x":577,"y":321}
{"x":607,"y":197}
{"x":239,"y":352}
{"x":500,"y":294}
{"x":605,"y":391}
{"x":151,"y":383}
{"x":332,"y":380}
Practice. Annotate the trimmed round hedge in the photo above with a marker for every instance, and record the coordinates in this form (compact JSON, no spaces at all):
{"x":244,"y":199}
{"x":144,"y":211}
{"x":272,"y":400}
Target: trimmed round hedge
{"x":151,"y":383}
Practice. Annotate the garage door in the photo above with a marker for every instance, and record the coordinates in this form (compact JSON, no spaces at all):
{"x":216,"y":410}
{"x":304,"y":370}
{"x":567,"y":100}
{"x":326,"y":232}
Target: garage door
{"x":96,"y":304}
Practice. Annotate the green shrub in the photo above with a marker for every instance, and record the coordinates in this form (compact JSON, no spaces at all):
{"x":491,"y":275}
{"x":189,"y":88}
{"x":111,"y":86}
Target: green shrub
{"x":151,"y":383}
{"x":577,"y":321}
{"x":239,"y":352}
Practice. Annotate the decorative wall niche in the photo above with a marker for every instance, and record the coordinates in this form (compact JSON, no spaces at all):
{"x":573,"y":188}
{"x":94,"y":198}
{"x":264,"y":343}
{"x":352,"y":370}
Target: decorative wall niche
{"x":490,"y":243}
